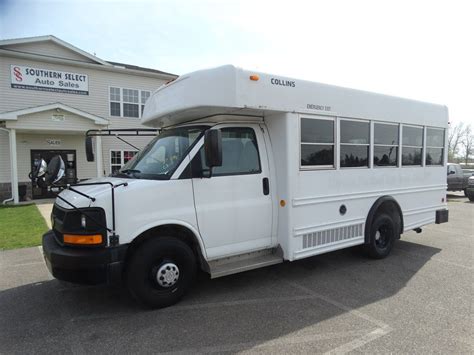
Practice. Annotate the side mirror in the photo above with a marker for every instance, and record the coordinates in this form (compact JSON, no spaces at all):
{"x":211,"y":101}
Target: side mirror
{"x":451,"y":172}
{"x":45,"y":175}
{"x":56,"y":170}
{"x":89,"y":149}
{"x":213,"y":147}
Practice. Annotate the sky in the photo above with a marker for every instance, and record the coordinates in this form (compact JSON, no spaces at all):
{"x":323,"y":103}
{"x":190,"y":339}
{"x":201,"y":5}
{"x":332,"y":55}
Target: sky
{"x":418,"y":49}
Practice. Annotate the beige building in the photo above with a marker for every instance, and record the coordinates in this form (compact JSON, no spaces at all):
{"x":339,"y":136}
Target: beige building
{"x":51,"y":93}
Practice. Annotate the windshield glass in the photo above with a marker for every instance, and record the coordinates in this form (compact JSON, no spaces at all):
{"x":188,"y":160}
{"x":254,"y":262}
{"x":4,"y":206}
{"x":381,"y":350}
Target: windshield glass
{"x":162,"y":155}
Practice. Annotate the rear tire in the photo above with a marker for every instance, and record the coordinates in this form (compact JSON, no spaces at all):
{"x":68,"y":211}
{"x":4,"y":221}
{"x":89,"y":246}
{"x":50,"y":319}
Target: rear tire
{"x":465,"y":193}
{"x":160,"y":271}
{"x":383,"y":233}
{"x":471,"y":198}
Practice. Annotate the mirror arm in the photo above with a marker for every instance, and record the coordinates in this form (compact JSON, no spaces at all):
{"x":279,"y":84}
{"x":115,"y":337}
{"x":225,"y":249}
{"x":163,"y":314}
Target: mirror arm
{"x":81,"y":193}
{"x":130,"y":144}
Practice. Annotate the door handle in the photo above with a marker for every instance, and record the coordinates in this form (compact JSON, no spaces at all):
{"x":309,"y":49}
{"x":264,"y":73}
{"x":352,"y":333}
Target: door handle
{"x":266,"y":186}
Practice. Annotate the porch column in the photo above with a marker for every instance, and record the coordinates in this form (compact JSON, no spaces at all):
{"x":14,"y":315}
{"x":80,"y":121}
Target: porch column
{"x":98,"y":156}
{"x":14,"y":166}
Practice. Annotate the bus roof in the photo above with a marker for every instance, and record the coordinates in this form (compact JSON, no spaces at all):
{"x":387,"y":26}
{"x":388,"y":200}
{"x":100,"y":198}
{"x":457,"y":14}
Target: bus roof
{"x":231,"y":90}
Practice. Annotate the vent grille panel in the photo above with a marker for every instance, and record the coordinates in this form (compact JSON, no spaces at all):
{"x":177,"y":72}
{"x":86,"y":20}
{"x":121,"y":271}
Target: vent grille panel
{"x":329,"y":236}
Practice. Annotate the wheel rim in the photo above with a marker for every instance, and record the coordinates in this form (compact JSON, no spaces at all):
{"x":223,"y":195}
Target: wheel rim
{"x":167,"y":275}
{"x":382,"y":236}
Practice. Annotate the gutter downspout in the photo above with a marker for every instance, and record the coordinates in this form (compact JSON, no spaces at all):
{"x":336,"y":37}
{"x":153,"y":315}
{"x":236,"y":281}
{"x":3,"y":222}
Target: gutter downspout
{"x":4,"y":202}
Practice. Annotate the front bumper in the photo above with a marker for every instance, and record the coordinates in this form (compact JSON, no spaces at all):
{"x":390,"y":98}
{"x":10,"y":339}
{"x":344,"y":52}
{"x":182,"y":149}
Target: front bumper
{"x":83,"y":265}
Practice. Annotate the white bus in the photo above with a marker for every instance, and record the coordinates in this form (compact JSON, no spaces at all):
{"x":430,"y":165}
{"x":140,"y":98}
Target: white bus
{"x":249,"y":170}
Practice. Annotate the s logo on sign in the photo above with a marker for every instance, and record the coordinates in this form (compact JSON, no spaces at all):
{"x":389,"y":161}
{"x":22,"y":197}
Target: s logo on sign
{"x":17,"y":73}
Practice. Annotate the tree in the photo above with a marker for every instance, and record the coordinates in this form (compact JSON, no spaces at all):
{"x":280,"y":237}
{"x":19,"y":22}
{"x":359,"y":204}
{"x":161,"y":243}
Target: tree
{"x":456,"y":135}
{"x":468,"y":142}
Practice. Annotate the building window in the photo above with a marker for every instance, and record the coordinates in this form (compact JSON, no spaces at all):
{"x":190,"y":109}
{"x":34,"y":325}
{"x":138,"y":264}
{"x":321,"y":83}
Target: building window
{"x":127,"y":102}
{"x":118,"y":158}
{"x":317,"y":142}
{"x":434,"y":146}
{"x":386,"y":140}
{"x":115,"y":102}
{"x":412,"y":145}
{"x":145,"y":95}
{"x":354,"y":147}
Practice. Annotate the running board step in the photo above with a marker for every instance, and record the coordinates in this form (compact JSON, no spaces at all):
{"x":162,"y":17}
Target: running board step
{"x":244,"y":262}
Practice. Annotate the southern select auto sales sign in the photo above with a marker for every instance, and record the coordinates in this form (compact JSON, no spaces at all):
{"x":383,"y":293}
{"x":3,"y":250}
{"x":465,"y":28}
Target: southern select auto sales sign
{"x":48,"y":80}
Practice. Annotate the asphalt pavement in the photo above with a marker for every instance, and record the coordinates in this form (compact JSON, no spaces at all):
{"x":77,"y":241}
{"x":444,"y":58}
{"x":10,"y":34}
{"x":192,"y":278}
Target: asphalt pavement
{"x":418,"y":300}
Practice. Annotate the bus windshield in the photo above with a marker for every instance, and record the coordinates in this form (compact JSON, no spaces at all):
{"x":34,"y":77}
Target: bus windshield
{"x":160,"y":158}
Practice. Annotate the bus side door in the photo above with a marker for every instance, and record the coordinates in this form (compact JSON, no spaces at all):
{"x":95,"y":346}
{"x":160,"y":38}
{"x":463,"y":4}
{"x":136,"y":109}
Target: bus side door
{"x":234,"y":205}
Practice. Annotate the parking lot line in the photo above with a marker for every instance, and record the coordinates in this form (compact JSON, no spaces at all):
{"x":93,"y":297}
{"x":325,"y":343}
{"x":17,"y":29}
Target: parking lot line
{"x":381,"y":330}
{"x":278,"y":343}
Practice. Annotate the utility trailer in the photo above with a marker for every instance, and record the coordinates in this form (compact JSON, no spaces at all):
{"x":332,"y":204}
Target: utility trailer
{"x":249,"y":170}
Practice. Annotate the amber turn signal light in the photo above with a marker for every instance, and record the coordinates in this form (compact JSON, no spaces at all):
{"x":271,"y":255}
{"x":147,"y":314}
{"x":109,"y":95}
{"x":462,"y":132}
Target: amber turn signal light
{"x":254,"y":77}
{"x":82,"y":239}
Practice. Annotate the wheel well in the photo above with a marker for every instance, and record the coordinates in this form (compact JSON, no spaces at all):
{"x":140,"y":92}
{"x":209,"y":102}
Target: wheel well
{"x":170,"y":230}
{"x":388,"y":205}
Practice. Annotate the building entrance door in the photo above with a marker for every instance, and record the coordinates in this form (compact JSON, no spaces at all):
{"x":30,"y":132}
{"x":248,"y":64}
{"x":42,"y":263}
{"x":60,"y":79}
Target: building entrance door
{"x":70,"y":176}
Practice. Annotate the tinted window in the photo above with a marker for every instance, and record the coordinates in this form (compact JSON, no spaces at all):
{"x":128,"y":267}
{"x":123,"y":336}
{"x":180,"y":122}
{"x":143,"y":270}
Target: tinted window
{"x":354,"y":155}
{"x":317,"y":131}
{"x":411,"y":156}
{"x":239,"y":153}
{"x":385,"y":144}
{"x":434,"y":156}
{"x":354,"y":147}
{"x":385,"y":156}
{"x":412,"y":136}
{"x":386,"y":134}
{"x":317,"y":154}
{"x":354,"y":132}
{"x":317,"y":142}
{"x":434,"y":137}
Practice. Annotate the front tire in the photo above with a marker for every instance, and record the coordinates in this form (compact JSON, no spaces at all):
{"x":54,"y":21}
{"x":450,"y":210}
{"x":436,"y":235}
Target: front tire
{"x":160,"y":271}
{"x":383,"y":233}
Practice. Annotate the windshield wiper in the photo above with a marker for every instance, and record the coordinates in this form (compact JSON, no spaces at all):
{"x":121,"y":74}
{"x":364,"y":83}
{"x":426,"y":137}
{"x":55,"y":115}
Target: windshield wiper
{"x":126,"y":171}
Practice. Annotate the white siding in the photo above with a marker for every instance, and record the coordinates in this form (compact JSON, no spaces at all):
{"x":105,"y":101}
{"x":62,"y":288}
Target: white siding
{"x":50,"y":49}
{"x":97,"y":102}
{"x":43,"y":121}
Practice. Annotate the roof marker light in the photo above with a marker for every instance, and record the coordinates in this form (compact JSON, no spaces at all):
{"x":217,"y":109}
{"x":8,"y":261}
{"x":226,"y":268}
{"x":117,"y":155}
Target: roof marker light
{"x":254,"y":77}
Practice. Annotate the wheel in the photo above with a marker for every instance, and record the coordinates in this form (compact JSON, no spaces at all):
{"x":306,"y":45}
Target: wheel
{"x":465,"y":193}
{"x":160,"y":271}
{"x":471,"y":198}
{"x":382,"y":236}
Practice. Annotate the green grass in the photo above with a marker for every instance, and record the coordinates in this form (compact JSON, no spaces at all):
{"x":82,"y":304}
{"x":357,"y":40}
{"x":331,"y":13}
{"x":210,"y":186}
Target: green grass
{"x":20,"y":226}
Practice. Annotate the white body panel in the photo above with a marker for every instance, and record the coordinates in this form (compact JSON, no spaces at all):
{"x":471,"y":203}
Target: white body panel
{"x":230,"y":215}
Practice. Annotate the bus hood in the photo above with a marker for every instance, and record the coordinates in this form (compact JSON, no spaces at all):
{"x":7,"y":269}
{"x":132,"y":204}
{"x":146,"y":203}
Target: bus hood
{"x":94,"y":191}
